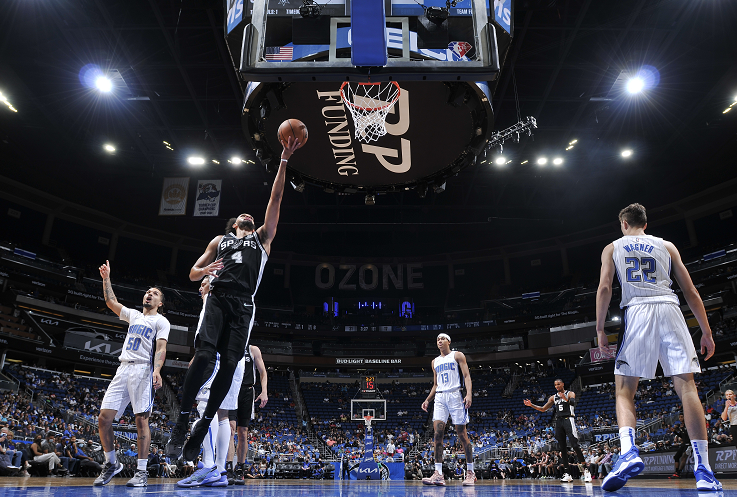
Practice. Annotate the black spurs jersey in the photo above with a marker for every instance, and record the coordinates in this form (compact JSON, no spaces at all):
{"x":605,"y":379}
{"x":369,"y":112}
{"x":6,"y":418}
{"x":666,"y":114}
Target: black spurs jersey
{"x":563,"y":408}
{"x":249,"y":372}
{"x":243,"y":264}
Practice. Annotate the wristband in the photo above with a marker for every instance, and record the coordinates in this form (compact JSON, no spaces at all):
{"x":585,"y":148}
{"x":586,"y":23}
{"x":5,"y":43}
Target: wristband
{"x":284,"y":160}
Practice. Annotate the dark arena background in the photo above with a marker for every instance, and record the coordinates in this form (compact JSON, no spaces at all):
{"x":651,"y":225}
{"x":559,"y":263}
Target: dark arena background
{"x":132,"y":130}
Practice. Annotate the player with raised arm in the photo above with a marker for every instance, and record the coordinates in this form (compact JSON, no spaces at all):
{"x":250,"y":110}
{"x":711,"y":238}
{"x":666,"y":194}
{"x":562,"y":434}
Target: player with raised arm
{"x":565,"y":426}
{"x":136,"y":379}
{"x":236,"y":260}
{"x":448,"y":368}
{"x":654,"y":329}
{"x":246,"y":401}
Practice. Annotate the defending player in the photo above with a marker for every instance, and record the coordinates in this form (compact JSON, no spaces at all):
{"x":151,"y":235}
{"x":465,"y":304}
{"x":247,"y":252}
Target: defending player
{"x":654,"y":329}
{"x":236,"y":261}
{"x":246,"y":401}
{"x":448,"y":368}
{"x":136,"y":379}
{"x":565,"y":426}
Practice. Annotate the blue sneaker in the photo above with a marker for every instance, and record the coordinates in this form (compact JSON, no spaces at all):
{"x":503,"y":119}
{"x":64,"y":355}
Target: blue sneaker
{"x":222,"y":482}
{"x":202,"y":476}
{"x":705,"y":481}
{"x":627,"y":466}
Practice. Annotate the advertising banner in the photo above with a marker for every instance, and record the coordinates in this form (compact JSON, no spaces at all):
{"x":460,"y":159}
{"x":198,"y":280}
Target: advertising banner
{"x":597,"y":355}
{"x":174,"y":197}
{"x":208,"y":197}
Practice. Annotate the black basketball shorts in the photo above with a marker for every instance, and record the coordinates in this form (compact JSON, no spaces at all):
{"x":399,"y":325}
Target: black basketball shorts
{"x":225,"y":323}
{"x":246,"y":399}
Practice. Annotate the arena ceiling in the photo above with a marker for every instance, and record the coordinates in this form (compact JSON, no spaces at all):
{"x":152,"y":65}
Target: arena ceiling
{"x":567,"y":67}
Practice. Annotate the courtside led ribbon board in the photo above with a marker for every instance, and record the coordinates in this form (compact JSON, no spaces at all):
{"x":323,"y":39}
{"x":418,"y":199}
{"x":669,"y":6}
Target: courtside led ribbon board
{"x":208,"y":197}
{"x":174,"y":197}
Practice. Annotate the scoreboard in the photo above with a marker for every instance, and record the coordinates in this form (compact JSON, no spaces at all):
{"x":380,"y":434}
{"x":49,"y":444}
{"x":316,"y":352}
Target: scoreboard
{"x":368,"y":387}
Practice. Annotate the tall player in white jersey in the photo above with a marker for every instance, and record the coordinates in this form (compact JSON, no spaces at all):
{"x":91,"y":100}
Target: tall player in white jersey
{"x":653,"y":330}
{"x":447,"y":370}
{"x":137,"y":377}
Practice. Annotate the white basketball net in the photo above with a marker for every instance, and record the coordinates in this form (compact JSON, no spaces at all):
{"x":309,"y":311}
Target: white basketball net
{"x":369,"y":103}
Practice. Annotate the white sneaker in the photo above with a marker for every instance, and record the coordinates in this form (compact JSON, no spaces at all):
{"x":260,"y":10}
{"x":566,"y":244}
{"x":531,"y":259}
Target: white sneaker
{"x":566,"y":478}
{"x":586,"y":477}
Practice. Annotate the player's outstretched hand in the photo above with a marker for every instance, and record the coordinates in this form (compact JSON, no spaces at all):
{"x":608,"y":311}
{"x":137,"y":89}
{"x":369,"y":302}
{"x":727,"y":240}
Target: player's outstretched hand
{"x":425,"y":405}
{"x":157,"y":380}
{"x":212,"y":268}
{"x":105,"y":270}
{"x":264,"y":398}
{"x":290,"y":146}
{"x":707,"y":345}
{"x":527,"y":402}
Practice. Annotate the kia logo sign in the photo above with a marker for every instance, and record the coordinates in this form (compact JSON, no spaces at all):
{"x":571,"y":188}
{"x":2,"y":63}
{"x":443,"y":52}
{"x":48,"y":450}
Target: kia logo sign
{"x":428,"y":139}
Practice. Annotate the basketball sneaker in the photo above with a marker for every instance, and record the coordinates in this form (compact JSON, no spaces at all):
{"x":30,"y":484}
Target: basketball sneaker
{"x":239,"y":474}
{"x":566,"y":478}
{"x":470,"y":479}
{"x":222,"y":482}
{"x":435,"y":479}
{"x":140,"y":479}
{"x":108,"y":471}
{"x":176,"y":442}
{"x":627,"y":466}
{"x":705,"y":481}
{"x":587,"y":477}
{"x":201,"y":477}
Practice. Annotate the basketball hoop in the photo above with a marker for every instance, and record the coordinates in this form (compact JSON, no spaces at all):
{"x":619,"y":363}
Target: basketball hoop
{"x":367,"y":420}
{"x":369,"y":103}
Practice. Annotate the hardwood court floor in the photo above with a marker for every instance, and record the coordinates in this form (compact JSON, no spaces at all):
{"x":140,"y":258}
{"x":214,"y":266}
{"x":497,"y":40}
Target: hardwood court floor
{"x":82,"y":487}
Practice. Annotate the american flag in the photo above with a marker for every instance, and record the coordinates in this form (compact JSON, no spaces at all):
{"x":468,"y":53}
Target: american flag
{"x":278,"y":53}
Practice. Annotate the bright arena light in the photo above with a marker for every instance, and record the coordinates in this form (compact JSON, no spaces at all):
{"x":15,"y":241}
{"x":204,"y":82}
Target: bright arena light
{"x":103,"y":84}
{"x":109,"y":148}
{"x":196,"y":161}
{"x":635,"y":85}
{"x":500,"y":161}
{"x":542,"y":161}
{"x":235,"y":160}
{"x":626,"y":153}
{"x":557,"y":161}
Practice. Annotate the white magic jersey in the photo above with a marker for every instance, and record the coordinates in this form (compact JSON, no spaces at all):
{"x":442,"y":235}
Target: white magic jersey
{"x":448,"y":372}
{"x":643,"y":268}
{"x":140,"y":342}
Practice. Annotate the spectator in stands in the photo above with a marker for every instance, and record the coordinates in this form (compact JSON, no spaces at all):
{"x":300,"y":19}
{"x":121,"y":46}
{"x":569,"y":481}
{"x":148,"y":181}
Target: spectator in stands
{"x":154,"y":466}
{"x":14,"y":457}
{"x":86,"y":463}
{"x":132,"y":451}
{"x":43,"y":455}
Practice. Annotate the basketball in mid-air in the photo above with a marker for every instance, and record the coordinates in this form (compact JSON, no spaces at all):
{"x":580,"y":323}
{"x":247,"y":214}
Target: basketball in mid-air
{"x":295,"y":128}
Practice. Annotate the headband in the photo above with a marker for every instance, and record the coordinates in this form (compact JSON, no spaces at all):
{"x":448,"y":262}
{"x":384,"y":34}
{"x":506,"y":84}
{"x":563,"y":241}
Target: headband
{"x":444,"y":335}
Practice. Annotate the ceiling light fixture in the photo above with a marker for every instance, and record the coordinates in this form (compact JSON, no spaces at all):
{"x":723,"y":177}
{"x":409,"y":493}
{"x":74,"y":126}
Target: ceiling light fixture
{"x":557,"y":161}
{"x":726,"y":110}
{"x":215,"y":161}
{"x":635,"y":85}
{"x":500,"y":161}
{"x":109,"y":148}
{"x":572,"y":142}
{"x":104,"y":84}
{"x":195,"y":161}
{"x":542,"y":161}
{"x":166,"y":143}
{"x":569,"y":147}
{"x":4,"y":100}
{"x":170,"y":148}
{"x":235,"y":160}
{"x":524,"y":161}
{"x":626,"y":153}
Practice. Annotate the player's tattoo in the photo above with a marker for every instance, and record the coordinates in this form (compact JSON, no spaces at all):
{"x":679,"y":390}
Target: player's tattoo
{"x":160,"y":358}
{"x":107,"y":290}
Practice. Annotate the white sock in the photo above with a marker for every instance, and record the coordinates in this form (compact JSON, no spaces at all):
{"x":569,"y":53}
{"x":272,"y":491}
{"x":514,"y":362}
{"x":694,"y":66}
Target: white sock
{"x":439,"y":467}
{"x":222,"y":444}
{"x":142,"y":464}
{"x":111,"y":458}
{"x":626,"y":438}
{"x":701,"y":453}
{"x":469,"y":466}
{"x":208,"y":444}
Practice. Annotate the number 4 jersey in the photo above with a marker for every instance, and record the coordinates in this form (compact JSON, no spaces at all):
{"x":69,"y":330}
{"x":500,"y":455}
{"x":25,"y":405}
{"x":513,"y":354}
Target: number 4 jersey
{"x":143,"y":331}
{"x":643,"y":268}
{"x":243,"y":264}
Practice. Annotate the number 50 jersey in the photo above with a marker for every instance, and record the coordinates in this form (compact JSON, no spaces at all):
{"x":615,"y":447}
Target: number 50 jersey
{"x":143,"y":331}
{"x":643,"y":268}
{"x":243,"y":264}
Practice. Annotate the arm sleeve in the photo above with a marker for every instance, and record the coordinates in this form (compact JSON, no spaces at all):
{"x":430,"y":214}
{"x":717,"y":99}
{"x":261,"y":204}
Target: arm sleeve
{"x":162,"y":329}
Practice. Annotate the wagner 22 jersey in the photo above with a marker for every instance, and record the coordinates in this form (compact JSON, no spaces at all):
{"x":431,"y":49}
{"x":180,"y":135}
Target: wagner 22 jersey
{"x":643,"y":268}
{"x":243,"y":264}
{"x":143,"y":331}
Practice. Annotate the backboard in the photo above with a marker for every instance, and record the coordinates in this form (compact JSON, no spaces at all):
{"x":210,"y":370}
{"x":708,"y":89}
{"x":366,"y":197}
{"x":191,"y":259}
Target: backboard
{"x":368,"y":407}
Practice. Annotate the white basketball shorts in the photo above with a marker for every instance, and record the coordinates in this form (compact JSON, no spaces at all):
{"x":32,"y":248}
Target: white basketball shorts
{"x":450,"y":404}
{"x":231,"y":399}
{"x":133,"y":383}
{"x":652,"y":333}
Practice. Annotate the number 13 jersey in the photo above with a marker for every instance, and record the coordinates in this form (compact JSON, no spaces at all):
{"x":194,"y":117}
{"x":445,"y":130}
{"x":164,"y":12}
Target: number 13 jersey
{"x":643,"y":267}
{"x":243,"y":264}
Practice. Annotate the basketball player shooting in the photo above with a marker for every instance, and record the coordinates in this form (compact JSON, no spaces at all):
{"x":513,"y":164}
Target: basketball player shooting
{"x":565,"y":426}
{"x":236,"y":261}
{"x":447,"y":369}
{"x":654,"y":330}
{"x":136,"y":379}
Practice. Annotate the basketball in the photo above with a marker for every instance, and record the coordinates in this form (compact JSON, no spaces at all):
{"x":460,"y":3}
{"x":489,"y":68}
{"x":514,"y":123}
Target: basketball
{"x":295,"y":128}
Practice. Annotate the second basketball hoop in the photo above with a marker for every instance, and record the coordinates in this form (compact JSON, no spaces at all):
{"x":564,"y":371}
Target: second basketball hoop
{"x":369,"y":104}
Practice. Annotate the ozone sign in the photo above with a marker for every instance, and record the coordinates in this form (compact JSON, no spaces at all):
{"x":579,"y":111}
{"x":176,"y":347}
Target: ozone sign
{"x":433,"y":131}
